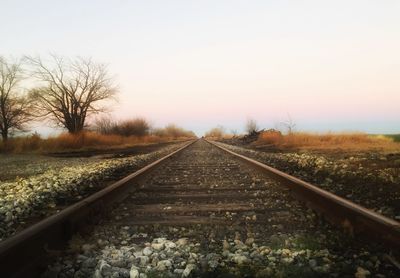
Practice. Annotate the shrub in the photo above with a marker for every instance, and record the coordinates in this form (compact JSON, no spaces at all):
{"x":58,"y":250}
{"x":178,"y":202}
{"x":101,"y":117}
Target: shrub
{"x":132,"y":127}
{"x":173,"y":131}
{"x":215,"y":133}
{"x":104,"y":125}
{"x":268,"y":137}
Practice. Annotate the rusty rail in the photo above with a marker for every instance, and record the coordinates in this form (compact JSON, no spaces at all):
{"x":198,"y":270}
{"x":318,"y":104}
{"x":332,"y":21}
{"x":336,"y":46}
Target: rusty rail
{"x":24,"y":254}
{"x":354,"y":218}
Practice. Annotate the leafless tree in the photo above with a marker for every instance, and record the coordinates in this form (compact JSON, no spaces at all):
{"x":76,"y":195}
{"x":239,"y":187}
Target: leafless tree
{"x":289,"y":124}
{"x":251,"y":126}
{"x":15,"y":109}
{"x":71,"y":90}
{"x":234,"y":132}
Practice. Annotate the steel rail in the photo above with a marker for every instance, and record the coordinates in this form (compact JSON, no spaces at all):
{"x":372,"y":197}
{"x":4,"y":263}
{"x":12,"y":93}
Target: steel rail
{"x":24,"y":254}
{"x":353,"y":218}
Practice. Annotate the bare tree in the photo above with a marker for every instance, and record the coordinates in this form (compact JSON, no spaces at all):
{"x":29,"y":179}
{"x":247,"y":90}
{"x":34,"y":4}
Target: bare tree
{"x":15,"y":109}
{"x":251,"y":126}
{"x":72,"y":90}
{"x":289,"y":124}
{"x":234,"y":132}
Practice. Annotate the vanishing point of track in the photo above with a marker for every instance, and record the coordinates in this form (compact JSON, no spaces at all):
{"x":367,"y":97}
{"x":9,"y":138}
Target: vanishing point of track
{"x":203,"y":185}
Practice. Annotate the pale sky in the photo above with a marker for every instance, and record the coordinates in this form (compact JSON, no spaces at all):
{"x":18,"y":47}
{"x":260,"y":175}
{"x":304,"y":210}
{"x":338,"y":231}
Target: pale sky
{"x":331,"y":65}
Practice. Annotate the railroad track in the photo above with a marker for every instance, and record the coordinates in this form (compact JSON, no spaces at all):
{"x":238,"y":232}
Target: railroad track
{"x":202,"y":200}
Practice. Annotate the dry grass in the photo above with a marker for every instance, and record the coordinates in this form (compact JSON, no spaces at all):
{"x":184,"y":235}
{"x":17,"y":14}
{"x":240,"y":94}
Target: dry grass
{"x":67,"y":141}
{"x":81,"y":141}
{"x":218,"y":133}
{"x":226,"y":136}
{"x":327,"y":141}
{"x":215,"y":133}
{"x":173,"y":131}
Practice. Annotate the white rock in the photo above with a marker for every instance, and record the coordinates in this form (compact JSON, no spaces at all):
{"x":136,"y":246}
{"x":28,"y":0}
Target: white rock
{"x":287,"y":260}
{"x":157,"y":246}
{"x":286,"y":252}
{"x":147,"y":251}
{"x":179,"y":271}
{"x":134,"y":273}
{"x":144,"y":260}
{"x":163,"y":265}
{"x":361,"y":273}
{"x":189,"y":268}
{"x":182,"y":241}
{"x":103,"y":265}
{"x":193,"y":256}
{"x":240,"y":259}
{"x":138,"y":254}
{"x":170,"y":245}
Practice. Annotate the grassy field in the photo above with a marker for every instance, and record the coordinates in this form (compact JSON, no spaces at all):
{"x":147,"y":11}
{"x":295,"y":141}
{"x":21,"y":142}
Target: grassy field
{"x":395,"y":137}
{"x":329,"y":141}
{"x":84,"y":141}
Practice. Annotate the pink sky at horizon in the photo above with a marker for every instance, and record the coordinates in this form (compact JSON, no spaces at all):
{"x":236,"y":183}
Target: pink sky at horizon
{"x":330,"y":92}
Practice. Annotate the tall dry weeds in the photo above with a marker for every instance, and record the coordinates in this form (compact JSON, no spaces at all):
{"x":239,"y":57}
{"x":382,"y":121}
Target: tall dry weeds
{"x":345,"y":141}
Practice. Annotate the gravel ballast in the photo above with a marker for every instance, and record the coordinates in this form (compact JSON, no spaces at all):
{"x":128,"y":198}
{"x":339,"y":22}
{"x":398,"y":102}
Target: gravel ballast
{"x":377,"y":189}
{"x":204,"y":214}
{"x":41,"y":195}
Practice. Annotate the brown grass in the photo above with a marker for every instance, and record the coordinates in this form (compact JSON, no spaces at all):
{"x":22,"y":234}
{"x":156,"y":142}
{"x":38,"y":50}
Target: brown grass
{"x":218,"y":133}
{"x":81,"y":141}
{"x":173,"y":131}
{"x":327,"y":141}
